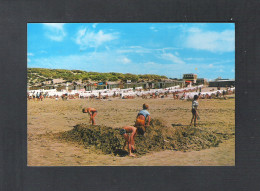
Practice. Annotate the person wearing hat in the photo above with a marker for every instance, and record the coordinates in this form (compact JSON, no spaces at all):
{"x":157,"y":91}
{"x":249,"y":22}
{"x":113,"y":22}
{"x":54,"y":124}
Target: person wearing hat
{"x":143,"y":117}
{"x":92,"y":113}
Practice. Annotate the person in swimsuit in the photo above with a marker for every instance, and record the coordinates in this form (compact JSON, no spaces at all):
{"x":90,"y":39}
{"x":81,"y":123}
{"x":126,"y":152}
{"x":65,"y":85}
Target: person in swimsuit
{"x":129,"y":133}
{"x":194,"y":110}
{"x":92,"y":113}
{"x":143,"y":117}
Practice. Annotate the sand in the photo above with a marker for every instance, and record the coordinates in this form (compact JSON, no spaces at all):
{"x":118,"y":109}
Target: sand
{"x":48,"y":117}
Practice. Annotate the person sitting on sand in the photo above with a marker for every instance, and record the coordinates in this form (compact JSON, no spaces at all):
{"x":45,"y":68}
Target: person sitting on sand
{"x":129,"y":133}
{"x":143,"y":117}
{"x":194,"y":110}
{"x":92,"y":113}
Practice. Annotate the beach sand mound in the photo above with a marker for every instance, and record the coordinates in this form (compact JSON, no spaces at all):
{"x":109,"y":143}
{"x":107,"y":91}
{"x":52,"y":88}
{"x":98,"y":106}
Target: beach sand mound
{"x":156,"y":138}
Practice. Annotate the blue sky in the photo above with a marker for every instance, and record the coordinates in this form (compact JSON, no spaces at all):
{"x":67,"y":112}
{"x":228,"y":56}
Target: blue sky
{"x":171,"y":49}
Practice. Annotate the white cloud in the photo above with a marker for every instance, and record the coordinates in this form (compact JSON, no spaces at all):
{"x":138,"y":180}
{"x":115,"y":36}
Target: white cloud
{"x":122,"y":59}
{"x":195,"y":59}
{"x":55,"y":31}
{"x":140,"y":50}
{"x":138,"y":47}
{"x":173,"y":58}
{"x":43,"y":52}
{"x":194,"y":29}
{"x":93,"y":61}
{"x":149,"y":64}
{"x":170,"y":70}
{"x":65,"y":62}
{"x":87,"y":38}
{"x":94,"y":25}
{"x":211,"y":40}
{"x":126,"y":60}
{"x":154,"y":29}
{"x":134,"y":49}
{"x":210,"y":65}
{"x":29,"y":54}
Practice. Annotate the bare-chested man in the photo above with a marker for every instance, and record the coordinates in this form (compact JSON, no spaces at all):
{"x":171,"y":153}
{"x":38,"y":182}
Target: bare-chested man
{"x":129,"y":133}
{"x":92,"y":113}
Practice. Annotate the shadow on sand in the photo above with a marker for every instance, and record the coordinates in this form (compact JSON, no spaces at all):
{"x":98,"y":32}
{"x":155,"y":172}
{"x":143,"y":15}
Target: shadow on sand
{"x":120,"y":153}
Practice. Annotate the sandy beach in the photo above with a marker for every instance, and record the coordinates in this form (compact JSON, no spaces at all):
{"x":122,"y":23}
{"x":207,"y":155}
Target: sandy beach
{"x":47,"y":117}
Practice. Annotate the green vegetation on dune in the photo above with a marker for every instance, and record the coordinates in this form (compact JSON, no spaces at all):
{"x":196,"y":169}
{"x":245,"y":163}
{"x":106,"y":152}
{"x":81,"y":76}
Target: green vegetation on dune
{"x":42,"y":74}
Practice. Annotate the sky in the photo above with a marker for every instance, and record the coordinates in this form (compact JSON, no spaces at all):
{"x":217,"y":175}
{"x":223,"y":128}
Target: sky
{"x":170,"y":49}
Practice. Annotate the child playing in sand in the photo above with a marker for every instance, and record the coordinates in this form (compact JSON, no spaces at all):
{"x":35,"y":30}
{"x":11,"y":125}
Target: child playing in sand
{"x":143,"y":117}
{"x":129,"y":133}
{"x":194,"y":110}
{"x":92,"y":113}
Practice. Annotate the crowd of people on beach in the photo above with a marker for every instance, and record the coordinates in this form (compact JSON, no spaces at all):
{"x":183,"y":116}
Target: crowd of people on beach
{"x":130,"y":93}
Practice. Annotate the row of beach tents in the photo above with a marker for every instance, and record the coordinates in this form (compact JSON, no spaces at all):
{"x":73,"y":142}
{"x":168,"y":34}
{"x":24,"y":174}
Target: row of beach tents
{"x":138,"y":91}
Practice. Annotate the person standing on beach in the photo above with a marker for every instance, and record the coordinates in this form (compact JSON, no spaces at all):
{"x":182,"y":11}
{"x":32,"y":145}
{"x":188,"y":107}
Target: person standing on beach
{"x":92,"y":113}
{"x":194,"y":110}
{"x":143,"y":117}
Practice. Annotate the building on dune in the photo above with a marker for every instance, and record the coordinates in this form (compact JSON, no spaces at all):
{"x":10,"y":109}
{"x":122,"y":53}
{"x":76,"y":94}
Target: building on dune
{"x":190,"y":78}
{"x":95,"y":85}
{"x":222,"y":83}
{"x":202,"y":81}
{"x":155,"y":84}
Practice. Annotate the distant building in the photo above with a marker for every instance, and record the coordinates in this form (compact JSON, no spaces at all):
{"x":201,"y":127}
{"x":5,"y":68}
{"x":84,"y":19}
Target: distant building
{"x":93,"y":85}
{"x":169,"y":83}
{"x":202,"y":81}
{"x":222,"y":83}
{"x":48,"y":82}
{"x":57,"y":81}
{"x":155,"y":84}
{"x":190,"y":78}
{"x":111,"y":85}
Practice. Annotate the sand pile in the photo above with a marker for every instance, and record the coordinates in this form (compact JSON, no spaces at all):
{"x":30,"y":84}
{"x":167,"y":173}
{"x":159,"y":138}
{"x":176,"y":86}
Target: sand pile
{"x":157,"y":137}
{"x":101,"y":137}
